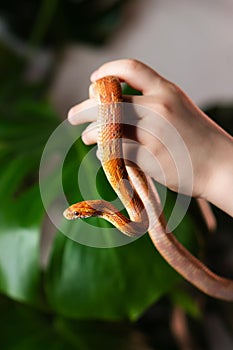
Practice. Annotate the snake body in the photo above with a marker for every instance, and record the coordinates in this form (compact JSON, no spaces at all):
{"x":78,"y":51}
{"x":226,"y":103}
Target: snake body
{"x":139,"y":195}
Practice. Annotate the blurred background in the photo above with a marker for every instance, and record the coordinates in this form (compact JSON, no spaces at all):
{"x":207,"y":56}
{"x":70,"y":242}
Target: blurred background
{"x":57,"y":293}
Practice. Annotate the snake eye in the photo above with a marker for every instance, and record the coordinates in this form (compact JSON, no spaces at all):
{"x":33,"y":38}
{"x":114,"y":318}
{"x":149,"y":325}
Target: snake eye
{"x":76,"y":214}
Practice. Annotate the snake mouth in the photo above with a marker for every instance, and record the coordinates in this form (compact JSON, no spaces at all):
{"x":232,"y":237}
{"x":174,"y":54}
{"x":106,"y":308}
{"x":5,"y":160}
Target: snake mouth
{"x":71,"y":214}
{"x":68,"y":214}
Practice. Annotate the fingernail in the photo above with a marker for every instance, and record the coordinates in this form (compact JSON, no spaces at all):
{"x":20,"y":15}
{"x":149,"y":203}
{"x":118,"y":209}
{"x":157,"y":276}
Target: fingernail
{"x":71,"y":116}
{"x":92,"y":91}
{"x":85,"y":139}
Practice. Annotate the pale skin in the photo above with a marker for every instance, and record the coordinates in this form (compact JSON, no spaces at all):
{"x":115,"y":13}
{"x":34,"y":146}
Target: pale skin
{"x":210,"y":148}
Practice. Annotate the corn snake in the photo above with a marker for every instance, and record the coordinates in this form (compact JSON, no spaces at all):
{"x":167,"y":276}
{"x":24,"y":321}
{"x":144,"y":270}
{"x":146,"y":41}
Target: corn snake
{"x":143,"y":205}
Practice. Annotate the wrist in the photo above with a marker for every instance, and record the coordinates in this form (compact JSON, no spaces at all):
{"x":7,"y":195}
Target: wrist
{"x":219,"y":186}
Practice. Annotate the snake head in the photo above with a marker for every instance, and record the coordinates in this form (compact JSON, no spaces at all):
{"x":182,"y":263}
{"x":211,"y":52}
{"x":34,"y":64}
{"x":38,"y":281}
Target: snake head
{"x":82,"y":210}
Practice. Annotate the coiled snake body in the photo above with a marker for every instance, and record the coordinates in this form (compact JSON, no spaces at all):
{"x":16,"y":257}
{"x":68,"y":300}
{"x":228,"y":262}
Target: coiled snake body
{"x":143,"y":205}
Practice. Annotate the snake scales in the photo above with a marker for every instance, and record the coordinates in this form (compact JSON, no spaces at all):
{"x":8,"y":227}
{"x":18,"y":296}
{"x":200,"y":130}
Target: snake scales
{"x":143,"y":205}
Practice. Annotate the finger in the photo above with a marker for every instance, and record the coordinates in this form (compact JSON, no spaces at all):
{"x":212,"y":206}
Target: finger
{"x":84,"y":112}
{"x":92,"y":93}
{"x":90,"y":134}
{"x":133,"y":128}
{"x":138,"y":75}
{"x":130,"y":132}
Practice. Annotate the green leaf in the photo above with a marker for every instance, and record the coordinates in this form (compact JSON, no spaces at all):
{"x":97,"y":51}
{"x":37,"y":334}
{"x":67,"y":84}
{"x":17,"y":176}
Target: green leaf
{"x":19,"y":263}
{"x":21,"y":209}
{"x":19,"y":235}
{"x":116,"y":283}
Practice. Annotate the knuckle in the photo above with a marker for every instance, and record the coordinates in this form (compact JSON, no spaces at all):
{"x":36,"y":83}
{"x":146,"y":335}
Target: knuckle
{"x":132,"y":64}
{"x":168,"y":98}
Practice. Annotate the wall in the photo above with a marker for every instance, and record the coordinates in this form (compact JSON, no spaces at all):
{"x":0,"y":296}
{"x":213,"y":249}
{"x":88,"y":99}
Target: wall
{"x":188,"y":41}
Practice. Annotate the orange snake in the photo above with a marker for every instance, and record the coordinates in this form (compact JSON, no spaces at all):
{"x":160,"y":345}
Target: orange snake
{"x":125,"y":180}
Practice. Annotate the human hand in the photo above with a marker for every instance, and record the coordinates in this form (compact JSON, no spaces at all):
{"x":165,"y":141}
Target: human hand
{"x":167,"y":128}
